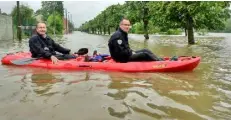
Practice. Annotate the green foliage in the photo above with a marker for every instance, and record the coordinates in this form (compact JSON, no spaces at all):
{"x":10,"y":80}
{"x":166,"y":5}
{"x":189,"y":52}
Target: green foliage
{"x":135,"y":10}
{"x":138,"y":11}
{"x":175,"y":14}
{"x":174,"y":32}
{"x":153,"y":29}
{"x":27,"y":19}
{"x":109,"y":18}
{"x":48,"y":11}
{"x":55,"y":22}
{"x":38,"y":12}
{"x":26,"y":13}
{"x":227,"y":28}
{"x":190,"y":15}
{"x":169,"y":17}
{"x":137,"y":28}
{"x":48,"y":7}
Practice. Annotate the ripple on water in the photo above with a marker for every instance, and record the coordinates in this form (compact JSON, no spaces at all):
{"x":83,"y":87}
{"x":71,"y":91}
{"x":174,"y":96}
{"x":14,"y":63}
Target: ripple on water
{"x":153,"y":104}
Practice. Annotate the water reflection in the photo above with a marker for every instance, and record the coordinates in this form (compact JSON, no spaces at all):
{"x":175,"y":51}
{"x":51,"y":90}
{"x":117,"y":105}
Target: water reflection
{"x":43,"y":83}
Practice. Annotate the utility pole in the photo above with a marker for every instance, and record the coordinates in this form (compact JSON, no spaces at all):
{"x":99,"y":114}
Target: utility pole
{"x":71,"y":19}
{"x":54,"y":22}
{"x":66,"y":20}
{"x":71,"y":22}
{"x":19,"y":32}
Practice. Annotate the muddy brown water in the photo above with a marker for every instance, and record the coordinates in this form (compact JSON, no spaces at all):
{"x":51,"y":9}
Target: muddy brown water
{"x":205,"y":93}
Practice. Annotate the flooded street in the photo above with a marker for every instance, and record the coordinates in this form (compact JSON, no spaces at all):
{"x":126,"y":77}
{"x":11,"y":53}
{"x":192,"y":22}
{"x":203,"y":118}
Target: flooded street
{"x":205,"y":93}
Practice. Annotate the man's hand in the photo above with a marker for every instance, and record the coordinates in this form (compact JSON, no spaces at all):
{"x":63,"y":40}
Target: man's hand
{"x":54,"y":59}
{"x":133,"y":52}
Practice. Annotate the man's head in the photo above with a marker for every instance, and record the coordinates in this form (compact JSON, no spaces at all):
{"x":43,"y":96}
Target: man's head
{"x":125,"y":24}
{"x":41,"y":28}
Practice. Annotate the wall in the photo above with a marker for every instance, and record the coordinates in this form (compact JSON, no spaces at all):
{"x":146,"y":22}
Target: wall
{"x":6,"y":29}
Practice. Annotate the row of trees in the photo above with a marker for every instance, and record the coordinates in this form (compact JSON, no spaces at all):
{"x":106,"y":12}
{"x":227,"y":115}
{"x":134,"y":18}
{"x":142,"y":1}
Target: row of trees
{"x":162,"y":17}
{"x":51,"y":12}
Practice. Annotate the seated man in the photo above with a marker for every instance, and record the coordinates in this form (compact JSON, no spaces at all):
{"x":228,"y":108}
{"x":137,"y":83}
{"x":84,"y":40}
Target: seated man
{"x":119,"y":46}
{"x":43,"y":46}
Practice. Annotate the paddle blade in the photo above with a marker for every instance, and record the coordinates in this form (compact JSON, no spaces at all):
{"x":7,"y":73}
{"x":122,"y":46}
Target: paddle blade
{"x":23,"y":61}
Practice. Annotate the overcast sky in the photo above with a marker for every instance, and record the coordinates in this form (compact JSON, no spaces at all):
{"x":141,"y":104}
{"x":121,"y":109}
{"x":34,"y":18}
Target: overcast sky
{"x":81,"y":10}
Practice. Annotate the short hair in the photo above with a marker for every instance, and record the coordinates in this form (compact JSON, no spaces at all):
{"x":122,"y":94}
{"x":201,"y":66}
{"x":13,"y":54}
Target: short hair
{"x":123,"y":18}
{"x":40,"y":22}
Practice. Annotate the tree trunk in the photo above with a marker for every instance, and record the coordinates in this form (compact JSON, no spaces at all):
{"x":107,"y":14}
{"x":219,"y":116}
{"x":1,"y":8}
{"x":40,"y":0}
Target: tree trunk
{"x":109,"y":31}
{"x":146,"y":36}
{"x":145,"y":20}
{"x":116,"y":28}
{"x":190,"y":31}
{"x":100,"y":29}
{"x":185,"y":30}
{"x":104,"y":30}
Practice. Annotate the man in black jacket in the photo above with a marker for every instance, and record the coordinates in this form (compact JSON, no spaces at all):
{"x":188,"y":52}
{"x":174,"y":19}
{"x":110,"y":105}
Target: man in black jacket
{"x":120,"y":50}
{"x":43,"y":46}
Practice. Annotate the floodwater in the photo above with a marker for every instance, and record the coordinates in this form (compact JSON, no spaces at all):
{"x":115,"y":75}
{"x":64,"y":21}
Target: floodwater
{"x":205,"y":93}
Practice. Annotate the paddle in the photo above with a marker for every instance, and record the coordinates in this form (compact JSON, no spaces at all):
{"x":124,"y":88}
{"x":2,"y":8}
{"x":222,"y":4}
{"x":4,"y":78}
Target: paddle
{"x":23,"y":61}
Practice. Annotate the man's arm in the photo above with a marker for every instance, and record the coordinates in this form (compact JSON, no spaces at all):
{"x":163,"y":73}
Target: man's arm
{"x":59,"y":48}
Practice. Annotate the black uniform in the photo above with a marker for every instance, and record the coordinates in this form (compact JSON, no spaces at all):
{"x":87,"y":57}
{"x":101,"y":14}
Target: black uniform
{"x":121,"y":52}
{"x":119,"y":46}
{"x":46,"y":47}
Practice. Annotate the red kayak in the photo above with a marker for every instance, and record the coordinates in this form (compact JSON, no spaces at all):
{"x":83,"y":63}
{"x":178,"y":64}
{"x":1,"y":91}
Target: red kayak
{"x":182,"y":64}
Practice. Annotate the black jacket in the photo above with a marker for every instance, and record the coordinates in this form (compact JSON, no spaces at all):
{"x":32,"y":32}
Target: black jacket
{"x":45,"y":47}
{"x":119,"y":46}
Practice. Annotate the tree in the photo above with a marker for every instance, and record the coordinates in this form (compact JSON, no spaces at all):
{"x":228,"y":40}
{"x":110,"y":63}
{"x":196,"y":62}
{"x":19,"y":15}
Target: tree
{"x":38,"y":12}
{"x":190,"y":15}
{"x":26,"y":14}
{"x":55,"y":22}
{"x":26,"y":18}
{"x":48,"y":7}
{"x":139,"y":11}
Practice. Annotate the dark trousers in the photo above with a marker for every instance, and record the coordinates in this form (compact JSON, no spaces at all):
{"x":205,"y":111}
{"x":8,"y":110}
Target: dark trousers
{"x":143,"y":55}
{"x":65,"y":56}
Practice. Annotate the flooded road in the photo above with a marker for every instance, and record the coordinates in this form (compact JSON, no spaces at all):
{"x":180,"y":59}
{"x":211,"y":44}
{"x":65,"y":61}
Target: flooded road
{"x":205,"y":93}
